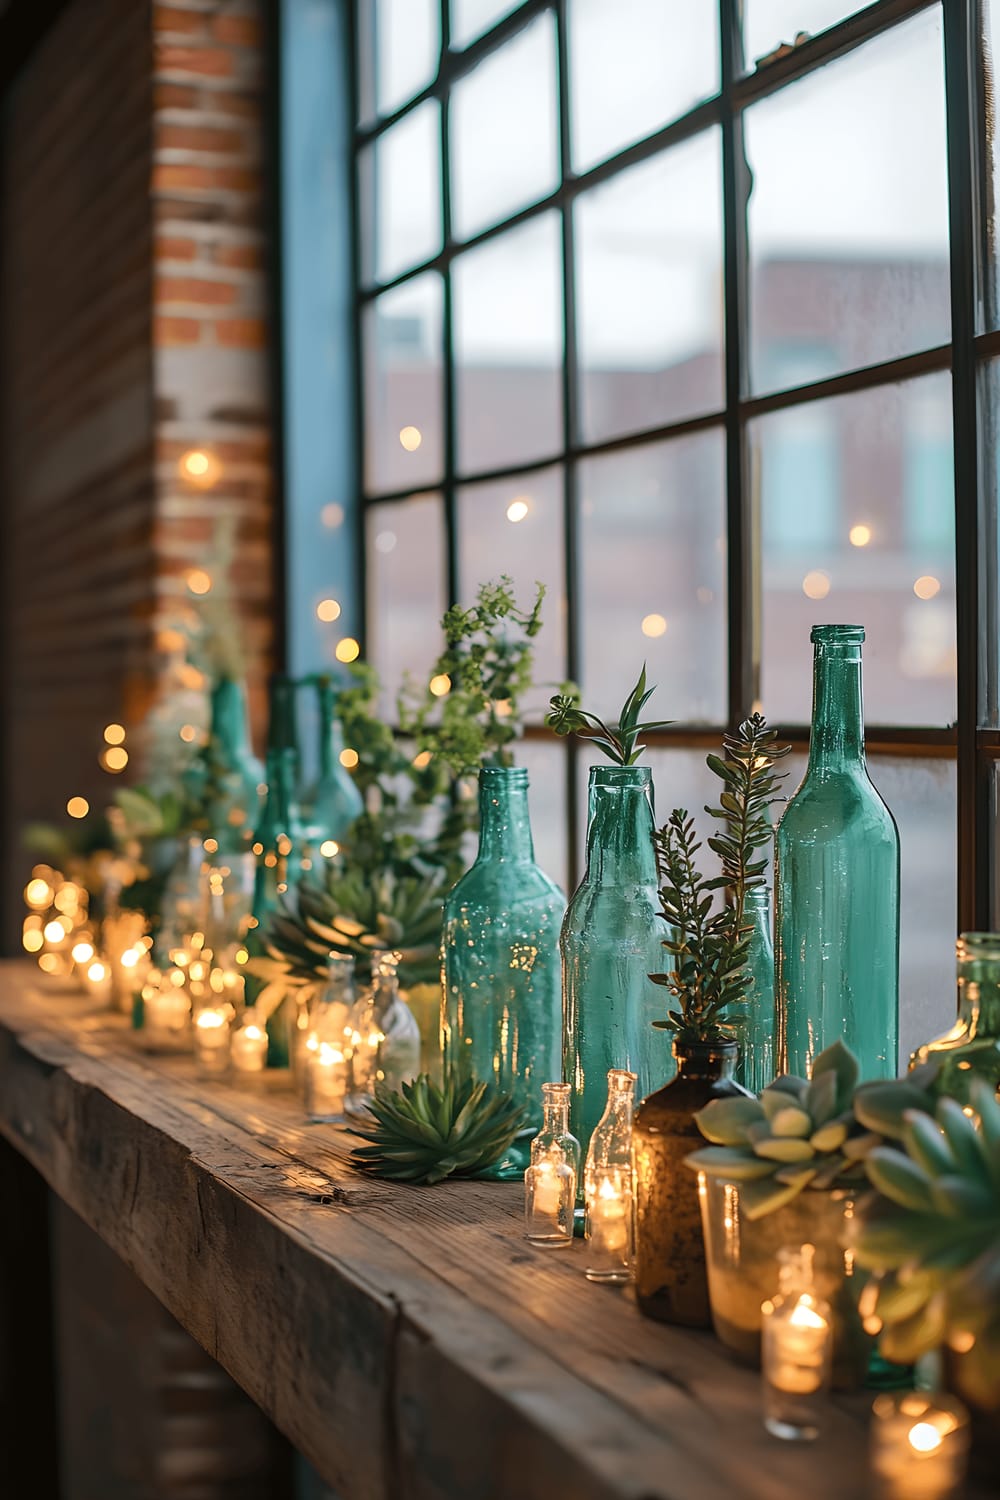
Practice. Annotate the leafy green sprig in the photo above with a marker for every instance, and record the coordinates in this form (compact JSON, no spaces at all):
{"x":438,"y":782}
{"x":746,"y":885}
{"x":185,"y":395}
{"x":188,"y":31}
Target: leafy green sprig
{"x":488,"y":662}
{"x":623,"y":744}
{"x":710,"y":947}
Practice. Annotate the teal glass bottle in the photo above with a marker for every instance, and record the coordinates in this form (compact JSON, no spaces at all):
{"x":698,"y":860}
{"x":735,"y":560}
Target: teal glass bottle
{"x":611,"y":942}
{"x":500,"y":995}
{"x":971,"y":1048}
{"x":229,"y":743}
{"x":277,"y":849}
{"x":755,"y":1069}
{"x":837,"y":884}
{"x":334,"y":801}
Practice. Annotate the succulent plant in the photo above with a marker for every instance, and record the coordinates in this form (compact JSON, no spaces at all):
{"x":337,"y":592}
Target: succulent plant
{"x":350,"y":912}
{"x":932,"y":1228}
{"x":800,"y":1134}
{"x":425,"y":1133}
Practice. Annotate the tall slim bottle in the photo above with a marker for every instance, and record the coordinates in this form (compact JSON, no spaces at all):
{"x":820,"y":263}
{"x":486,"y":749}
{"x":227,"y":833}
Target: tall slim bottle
{"x":611,"y":942}
{"x":755,"y":1069}
{"x":334,"y":801}
{"x":500,"y":1000}
{"x":837,"y":884}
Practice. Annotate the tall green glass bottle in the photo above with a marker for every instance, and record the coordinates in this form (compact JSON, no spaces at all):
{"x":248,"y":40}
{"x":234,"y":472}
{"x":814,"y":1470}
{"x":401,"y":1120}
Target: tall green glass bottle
{"x":971,"y":1048}
{"x":837,"y":884}
{"x":334,"y":801}
{"x":611,"y":942}
{"x":500,"y":999}
{"x":234,"y":774}
{"x":755,"y":1069}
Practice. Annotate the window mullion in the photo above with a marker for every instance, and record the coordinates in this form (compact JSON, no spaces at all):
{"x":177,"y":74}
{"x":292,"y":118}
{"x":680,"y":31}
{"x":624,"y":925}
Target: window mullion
{"x":448,"y":352}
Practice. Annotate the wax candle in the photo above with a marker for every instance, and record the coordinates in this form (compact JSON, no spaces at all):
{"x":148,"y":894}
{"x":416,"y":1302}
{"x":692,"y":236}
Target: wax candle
{"x":249,"y":1045}
{"x":608,"y":1229}
{"x":212,"y":1039}
{"x":549,"y":1198}
{"x":325,"y":1080}
{"x":166,"y":1012}
{"x":919,"y":1446}
{"x":97,"y":981}
{"x":796,"y":1350}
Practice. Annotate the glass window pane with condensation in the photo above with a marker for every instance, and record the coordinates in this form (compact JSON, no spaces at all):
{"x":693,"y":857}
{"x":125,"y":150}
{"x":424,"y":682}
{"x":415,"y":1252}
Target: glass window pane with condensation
{"x":470,"y":18}
{"x":515,"y":527}
{"x":503,"y":124}
{"x":545,"y":763}
{"x":402,"y":348}
{"x":652,"y":558}
{"x":635,"y":65}
{"x":509,"y":347}
{"x":770,"y":24}
{"x":856,"y":505}
{"x":399,"y":44}
{"x":407,"y":594}
{"x":649,"y":292}
{"x":399,"y":195}
{"x":848,"y":215}
{"x":922,"y":797}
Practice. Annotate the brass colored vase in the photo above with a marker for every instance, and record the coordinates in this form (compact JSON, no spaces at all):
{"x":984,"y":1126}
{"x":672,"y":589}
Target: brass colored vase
{"x":671,"y":1283}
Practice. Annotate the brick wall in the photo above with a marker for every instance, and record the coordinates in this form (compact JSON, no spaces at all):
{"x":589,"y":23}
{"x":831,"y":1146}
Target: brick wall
{"x":132,"y":329}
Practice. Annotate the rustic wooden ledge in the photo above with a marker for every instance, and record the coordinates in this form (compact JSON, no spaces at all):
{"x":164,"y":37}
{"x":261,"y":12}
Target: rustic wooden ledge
{"x":407,"y":1340}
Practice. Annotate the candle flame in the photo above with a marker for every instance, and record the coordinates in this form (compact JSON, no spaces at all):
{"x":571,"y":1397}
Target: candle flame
{"x":804,"y":1315}
{"x":924,"y":1437}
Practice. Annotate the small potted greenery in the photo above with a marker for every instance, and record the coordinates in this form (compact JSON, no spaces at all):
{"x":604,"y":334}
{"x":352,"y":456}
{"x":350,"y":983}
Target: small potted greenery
{"x":788,"y":1168}
{"x":931,"y":1233}
{"x":708,"y":942}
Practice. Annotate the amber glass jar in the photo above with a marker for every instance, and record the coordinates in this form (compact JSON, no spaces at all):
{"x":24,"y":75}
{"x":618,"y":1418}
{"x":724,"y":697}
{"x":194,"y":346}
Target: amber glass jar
{"x":670,"y":1278}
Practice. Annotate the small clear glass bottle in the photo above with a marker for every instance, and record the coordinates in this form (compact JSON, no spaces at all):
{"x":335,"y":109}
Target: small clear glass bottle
{"x":607,"y":1183}
{"x":324,"y":1059}
{"x":796,"y":1350}
{"x":384,"y":1036}
{"x":550,"y":1181}
{"x":971,"y":1047}
{"x":755,"y":1068}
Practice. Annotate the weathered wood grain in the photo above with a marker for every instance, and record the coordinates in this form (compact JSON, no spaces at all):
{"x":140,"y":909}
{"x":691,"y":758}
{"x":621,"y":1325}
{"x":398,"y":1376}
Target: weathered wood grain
{"x":408,"y":1341}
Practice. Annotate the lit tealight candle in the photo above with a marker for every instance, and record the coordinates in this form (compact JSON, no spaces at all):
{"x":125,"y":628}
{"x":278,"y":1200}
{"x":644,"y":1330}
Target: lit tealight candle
{"x":796,"y":1350}
{"x":249,"y":1047}
{"x":549,"y":1196}
{"x":97,"y":981}
{"x":326,"y":1079}
{"x":609,"y":1223}
{"x":166,"y":1011}
{"x":212,"y":1039}
{"x":919,"y":1446}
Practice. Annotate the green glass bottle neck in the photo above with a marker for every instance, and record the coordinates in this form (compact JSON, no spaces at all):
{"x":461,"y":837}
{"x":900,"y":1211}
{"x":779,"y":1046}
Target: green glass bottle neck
{"x":837,"y":736}
{"x":280,"y":814}
{"x":979,"y":982}
{"x":620,"y":827}
{"x":282,"y":727}
{"x":504,"y":824}
{"x":229,"y":719}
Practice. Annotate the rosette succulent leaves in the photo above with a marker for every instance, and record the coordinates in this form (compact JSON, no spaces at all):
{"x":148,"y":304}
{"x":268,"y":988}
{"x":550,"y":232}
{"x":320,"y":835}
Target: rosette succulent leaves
{"x":801,"y":1134}
{"x":932,"y":1229}
{"x":425,"y":1133}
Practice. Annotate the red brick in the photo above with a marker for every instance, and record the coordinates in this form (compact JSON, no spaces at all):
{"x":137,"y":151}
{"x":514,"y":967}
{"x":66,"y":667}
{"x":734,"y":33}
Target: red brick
{"x":241,"y":333}
{"x":208,"y":62}
{"x":198,"y":138}
{"x":246,"y":257}
{"x":237,"y":31}
{"x":195,"y":289}
{"x":176,"y":249}
{"x":174,"y":96}
{"x":170,"y":178}
{"x":171,"y":331}
{"x":246,"y":106}
{"x":240,"y":179}
{"x":181,"y":22}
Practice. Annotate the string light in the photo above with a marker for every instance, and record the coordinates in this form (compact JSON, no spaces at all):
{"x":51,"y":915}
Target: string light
{"x":328,"y":610}
{"x":114,"y":759}
{"x":188,"y":733}
{"x":328,"y":848}
{"x":199,"y":468}
{"x":198,"y":581}
{"x":114,"y":734}
{"x":440,"y":685}
{"x":411,"y":438}
{"x":816,"y":585}
{"x":518,"y":509}
{"x":332,"y":516}
{"x":347,"y":649}
{"x":78,"y":807}
{"x":654,"y":625}
{"x":349,"y":758}
{"x":927,"y":586}
{"x":860,"y":535}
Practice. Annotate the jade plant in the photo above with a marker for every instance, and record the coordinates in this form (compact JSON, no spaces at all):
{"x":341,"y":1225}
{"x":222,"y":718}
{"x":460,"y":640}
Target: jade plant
{"x":710,"y":944}
{"x":472,"y":710}
{"x":622,"y":744}
{"x":800,"y":1134}
{"x":932,"y":1230}
{"x":423,"y":1132}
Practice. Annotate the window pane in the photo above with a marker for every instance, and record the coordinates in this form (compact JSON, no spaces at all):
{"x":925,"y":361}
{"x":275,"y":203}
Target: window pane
{"x":767,"y":24}
{"x":990,"y":149}
{"x":849,"y":211}
{"x":922,"y":796}
{"x":400,"y":195}
{"x":503,"y":130}
{"x":989,"y":552}
{"x":470,"y":18}
{"x":402,"y":357}
{"x":508,"y":347}
{"x":516,"y":527}
{"x":649,"y":299}
{"x":545,"y":762}
{"x":634,"y":66}
{"x":405,"y":550}
{"x":856,"y":501}
{"x":398,"y":45}
{"x":652,"y":576}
